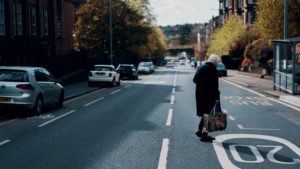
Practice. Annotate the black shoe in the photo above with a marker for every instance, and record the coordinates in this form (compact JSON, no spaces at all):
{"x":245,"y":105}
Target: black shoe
{"x":200,"y":134}
{"x":207,"y":138}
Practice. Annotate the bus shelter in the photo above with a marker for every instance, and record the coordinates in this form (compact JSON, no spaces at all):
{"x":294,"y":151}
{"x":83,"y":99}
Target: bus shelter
{"x":287,"y":65}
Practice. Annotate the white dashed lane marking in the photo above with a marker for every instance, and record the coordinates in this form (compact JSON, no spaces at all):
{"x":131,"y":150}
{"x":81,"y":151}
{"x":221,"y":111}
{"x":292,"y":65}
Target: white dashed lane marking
{"x":116,"y":91}
{"x":169,"y":120}
{"x":261,"y":129}
{"x":162,"y":164}
{"x":92,"y":102}
{"x":4,"y":142}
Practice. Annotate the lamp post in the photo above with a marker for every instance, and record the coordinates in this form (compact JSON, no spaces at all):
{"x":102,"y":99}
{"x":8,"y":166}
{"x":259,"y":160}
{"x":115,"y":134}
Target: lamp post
{"x":286,"y":8}
{"x":110,"y":33}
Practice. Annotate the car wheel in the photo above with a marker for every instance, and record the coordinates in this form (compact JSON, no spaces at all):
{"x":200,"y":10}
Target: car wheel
{"x":60,"y":102}
{"x":37,"y":110}
{"x":113,"y":83}
{"x":119,"y":82}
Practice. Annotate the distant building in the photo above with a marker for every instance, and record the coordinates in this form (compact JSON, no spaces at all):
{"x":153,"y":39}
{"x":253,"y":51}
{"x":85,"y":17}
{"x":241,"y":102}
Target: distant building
{"x":33,"y":31}
{"x":243,"y":8}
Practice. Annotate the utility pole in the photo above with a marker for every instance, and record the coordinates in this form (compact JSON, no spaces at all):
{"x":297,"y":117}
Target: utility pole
{"x":286,"y":14}
{"x":110,"y":33}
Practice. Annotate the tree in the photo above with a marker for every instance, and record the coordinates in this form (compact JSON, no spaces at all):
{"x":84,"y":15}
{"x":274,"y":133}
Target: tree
{"x":270,"y":18}
{"x":132,"y":30}
{"x":226,"y":38}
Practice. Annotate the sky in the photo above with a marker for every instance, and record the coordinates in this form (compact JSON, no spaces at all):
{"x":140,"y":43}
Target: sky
{"x":172,"y":12}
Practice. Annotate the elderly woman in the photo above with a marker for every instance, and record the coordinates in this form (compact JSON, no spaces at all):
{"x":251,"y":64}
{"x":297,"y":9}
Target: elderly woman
{"x":207,"y":92}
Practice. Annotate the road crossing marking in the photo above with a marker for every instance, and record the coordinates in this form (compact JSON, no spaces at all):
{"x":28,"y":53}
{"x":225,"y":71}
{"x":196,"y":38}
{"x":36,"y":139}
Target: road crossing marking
{"x":50,"y":121}
{"x":169,"y":120}
{"x":4,"y":142}
{"x":162,"y":164}
{"x":112,"y":93}
{"x":92,"y":102}
{"x":261,"y":129}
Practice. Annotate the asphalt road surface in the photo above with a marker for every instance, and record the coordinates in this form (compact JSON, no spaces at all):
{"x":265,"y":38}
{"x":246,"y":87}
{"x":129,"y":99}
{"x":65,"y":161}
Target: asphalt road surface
{"x":150,"y":123}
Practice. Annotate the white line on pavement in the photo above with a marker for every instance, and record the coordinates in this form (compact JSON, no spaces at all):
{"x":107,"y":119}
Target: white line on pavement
{"x":173,"y":91}
{"x":169,"y":120}
{"x":172,"y":99}
{"x":4,"y":142}
{"x":92,"y":102}
{"x":77,"y":98}
{"x":10,"y":121}
{"x":50,"y":121}
{"x":128,"y":86}
{"x":162,"y":164}
{"x":231,"y":118}
{"x":115,"y":91}
{"x":261,"y":129}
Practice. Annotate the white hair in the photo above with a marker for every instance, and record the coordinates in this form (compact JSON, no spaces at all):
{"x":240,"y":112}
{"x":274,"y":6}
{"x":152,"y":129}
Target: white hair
{"x":213,"y":58}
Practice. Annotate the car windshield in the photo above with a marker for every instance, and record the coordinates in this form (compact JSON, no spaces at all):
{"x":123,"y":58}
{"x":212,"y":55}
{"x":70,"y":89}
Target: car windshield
{"x":14,"y":76}
{"x":99,"y":68}
{"x":125,"y":68}
{"x":145,"y":64}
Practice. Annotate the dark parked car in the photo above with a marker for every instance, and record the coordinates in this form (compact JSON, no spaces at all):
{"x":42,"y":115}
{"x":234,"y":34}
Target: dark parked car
{"x":127,"y":71}
{"x":222,"y":71}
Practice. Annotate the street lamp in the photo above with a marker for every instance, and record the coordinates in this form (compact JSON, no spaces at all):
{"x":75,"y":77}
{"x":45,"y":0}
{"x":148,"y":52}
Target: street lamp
{"x":110,"y":32}
{"x":286,"y":7}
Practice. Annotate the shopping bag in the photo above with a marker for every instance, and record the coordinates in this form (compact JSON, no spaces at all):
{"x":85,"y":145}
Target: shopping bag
{"x":216,"y":119}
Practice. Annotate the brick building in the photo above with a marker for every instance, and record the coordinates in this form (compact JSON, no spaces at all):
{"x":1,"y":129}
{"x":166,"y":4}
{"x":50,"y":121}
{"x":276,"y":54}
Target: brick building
{"x":32,"y":32}
{"x":243,"y":8}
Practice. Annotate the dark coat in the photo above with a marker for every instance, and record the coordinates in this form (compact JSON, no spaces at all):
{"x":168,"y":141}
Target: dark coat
{"x":207,"y":88}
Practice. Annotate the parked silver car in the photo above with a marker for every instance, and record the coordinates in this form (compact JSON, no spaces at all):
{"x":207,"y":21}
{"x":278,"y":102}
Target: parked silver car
{"x":29,"y":87}
{"x":146,"y":67}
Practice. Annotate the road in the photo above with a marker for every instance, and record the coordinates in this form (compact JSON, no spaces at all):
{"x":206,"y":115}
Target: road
{"x":150,"y":123}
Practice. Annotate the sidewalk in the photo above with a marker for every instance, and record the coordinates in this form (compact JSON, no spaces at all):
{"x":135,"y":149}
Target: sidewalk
{"x":261,"y":85}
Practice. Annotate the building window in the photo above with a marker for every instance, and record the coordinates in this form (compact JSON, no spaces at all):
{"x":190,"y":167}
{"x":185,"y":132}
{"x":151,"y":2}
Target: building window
{"x":250,"y":2}
{"x":32,"y":20}
{"x":17,"y":20}
{"x":45,"y":22}
{"x":59,"y":17}
{"x":239,"y":4}
{"x":2,"y":18}
{"x":226,"y":3}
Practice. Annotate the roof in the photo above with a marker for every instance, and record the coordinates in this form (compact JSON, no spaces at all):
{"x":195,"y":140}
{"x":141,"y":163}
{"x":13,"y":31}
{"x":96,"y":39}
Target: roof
{"x":20,"y":67}
{"x":104,"y":66}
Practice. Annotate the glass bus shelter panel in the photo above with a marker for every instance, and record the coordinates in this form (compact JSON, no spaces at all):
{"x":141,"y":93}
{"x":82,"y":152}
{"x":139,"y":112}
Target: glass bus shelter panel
{"x":297,"y":68}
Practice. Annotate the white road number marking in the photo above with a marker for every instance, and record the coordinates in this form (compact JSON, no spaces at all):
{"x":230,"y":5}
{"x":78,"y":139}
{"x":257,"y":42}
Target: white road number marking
{"x":227,"y":164}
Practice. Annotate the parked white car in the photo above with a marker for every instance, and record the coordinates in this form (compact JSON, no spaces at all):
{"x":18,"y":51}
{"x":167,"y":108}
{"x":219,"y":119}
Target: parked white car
{"x":29,"y":87}
{"x":102,"y":74}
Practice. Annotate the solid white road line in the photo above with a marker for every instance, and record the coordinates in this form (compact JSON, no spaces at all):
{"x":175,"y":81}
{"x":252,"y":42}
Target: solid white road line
{"x":231,"y":118}
{"x":10,"y":121}
{"x":162,"y":164}
{"x":50,"y":121}
{"x":261,"y":129}
{"x":88,"y":104}
{"x":115,"y":91}
{"x":170,"y":115}
{"x":173,"y":91}
{"x":4,"y":142}
{"x":172,"y":99}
